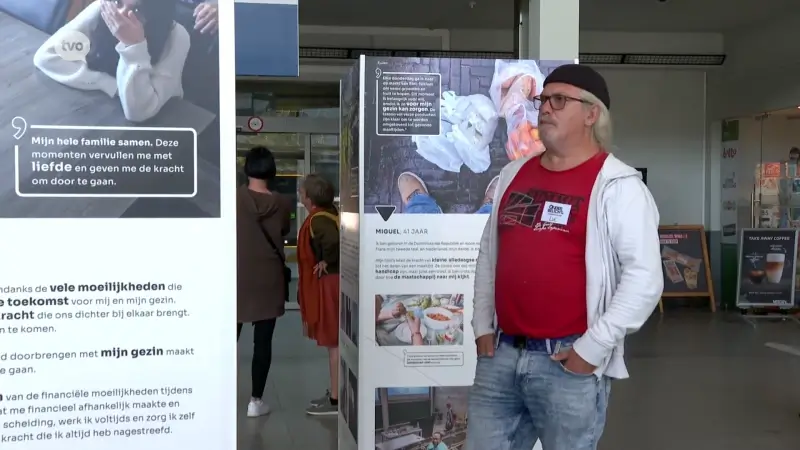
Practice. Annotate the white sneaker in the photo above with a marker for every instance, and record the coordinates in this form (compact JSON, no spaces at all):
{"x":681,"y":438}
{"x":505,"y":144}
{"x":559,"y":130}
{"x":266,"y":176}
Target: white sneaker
{"x":257,"y":408}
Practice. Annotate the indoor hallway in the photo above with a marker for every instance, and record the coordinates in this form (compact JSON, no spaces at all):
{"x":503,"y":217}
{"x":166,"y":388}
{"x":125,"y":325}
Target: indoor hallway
{"x":699,"y":382}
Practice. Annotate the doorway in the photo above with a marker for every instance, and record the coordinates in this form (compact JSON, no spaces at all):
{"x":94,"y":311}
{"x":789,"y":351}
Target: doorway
{"x":301,"y":146}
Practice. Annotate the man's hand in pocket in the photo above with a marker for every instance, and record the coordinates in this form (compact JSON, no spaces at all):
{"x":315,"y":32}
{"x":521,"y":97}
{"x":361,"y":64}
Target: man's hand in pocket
{"x":573,"y":362}
{"x":485,"y":345}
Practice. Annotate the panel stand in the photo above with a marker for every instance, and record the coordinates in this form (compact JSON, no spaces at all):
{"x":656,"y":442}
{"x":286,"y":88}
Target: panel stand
{"x":712,"y":302}
{"x":754,"y":319}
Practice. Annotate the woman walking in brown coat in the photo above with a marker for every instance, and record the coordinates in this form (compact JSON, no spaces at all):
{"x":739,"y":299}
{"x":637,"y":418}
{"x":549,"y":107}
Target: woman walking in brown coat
{"x":262,"y":219}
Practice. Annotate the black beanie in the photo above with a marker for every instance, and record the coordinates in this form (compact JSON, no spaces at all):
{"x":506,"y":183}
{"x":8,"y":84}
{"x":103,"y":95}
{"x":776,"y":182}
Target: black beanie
{"x":583,"y":77}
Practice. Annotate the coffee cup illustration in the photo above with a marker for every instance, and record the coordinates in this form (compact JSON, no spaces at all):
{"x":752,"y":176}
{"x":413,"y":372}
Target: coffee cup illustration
{"x":774,"y":267}
{"x":756,"y":276}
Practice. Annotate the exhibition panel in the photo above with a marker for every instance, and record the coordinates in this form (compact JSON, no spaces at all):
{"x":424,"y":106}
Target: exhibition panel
{"x":423,"y":142}
{"x":116,"y":312}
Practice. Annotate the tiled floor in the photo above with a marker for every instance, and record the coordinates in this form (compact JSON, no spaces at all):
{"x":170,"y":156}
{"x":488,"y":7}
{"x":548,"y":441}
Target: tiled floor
{"x":698,"y":382}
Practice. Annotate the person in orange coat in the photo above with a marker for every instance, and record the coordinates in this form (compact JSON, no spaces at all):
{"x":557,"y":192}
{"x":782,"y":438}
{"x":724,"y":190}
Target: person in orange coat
{"x":318,"y":285}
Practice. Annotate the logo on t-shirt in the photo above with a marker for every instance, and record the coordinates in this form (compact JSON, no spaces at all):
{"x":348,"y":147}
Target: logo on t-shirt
{"x":540,"y":210}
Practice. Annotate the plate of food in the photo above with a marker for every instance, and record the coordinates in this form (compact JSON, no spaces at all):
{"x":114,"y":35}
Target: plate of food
{"x":438,"y":318}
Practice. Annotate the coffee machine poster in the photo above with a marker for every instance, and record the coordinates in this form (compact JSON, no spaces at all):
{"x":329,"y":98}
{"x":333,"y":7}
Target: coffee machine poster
{"x":767,"y":268}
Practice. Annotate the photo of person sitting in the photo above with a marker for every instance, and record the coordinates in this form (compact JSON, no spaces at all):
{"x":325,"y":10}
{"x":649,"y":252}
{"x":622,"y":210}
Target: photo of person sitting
{"x":137,"y":53}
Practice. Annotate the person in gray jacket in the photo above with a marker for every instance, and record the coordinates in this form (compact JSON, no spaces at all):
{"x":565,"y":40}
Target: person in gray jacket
{"x":569,"y":264}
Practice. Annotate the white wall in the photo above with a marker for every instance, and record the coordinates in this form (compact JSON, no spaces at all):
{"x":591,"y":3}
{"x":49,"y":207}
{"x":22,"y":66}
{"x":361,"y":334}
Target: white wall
{"x":761,"y":70}
{"x":659,"y":122}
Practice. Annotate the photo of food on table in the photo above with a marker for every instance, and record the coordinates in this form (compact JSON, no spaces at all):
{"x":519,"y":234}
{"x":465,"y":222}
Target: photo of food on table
{"x":419,"y":319}
{"x":680,"y":268}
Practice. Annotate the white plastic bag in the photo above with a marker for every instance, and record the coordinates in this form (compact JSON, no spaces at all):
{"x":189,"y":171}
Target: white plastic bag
{"x":474,"y":120}
{"x":468,"y":126}
{"x":512,"y":90}
{"x":439,"y":149}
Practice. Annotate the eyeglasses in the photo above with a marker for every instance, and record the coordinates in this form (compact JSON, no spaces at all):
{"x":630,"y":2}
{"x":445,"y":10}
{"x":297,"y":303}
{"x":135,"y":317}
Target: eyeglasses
{"x":557,"y":101}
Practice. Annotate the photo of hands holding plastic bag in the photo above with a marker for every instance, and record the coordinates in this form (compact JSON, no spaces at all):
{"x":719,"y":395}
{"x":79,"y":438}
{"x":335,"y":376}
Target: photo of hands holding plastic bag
{"x":487,"y":119}
{"x":469,"y":122}
{"x":514,"y":86}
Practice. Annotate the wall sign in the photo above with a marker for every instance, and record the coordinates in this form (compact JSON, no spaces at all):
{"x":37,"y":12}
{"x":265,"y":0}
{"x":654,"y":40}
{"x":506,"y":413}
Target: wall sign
{"x":255,"y":124}
{"x":729,"y":167}
{"x":267,"y":38}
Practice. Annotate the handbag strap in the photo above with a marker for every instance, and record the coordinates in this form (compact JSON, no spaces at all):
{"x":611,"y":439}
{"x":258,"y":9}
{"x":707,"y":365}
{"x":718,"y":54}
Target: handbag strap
{"x":272,"y":244}
{"x":325,"y":214}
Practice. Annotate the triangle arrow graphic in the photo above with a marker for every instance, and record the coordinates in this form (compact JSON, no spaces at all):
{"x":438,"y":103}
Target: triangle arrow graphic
{"x":386,"y":211}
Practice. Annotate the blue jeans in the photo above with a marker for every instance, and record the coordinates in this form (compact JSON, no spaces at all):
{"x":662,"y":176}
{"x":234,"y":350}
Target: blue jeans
{"x":521,"y":396}
{"x":425,"y":204}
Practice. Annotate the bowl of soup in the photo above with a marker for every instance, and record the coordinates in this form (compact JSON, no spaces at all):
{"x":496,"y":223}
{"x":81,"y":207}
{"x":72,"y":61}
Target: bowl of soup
{"x":437,"y":318}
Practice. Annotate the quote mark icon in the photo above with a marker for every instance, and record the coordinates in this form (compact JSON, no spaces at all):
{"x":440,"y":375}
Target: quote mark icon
{"x":20,"y":126}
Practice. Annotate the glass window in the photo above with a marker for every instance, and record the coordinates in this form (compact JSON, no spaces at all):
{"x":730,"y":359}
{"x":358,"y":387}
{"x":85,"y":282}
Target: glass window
{"x":324,"y":157}
{"x":277,"y":142}
{"x":244,"y":104}
{"x":288,"y":99}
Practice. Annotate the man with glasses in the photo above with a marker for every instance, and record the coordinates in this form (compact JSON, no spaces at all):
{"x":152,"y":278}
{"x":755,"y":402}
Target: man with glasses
{"x":569,"y":264}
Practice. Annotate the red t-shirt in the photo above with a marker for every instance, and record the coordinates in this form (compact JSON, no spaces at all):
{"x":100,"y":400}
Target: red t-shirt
{"x":540,"y":284}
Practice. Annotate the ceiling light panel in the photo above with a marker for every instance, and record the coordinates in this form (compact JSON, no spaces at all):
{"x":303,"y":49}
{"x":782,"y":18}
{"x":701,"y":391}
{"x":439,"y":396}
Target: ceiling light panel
{"x":600,"y":58}
{"x":675,"y":60}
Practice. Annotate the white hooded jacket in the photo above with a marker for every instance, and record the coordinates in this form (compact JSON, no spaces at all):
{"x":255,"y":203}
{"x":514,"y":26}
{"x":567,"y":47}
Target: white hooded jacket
{"x":624,"y":280}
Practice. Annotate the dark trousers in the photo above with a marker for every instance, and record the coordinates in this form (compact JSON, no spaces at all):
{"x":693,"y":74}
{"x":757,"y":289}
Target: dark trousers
{"x":263,"y":331}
